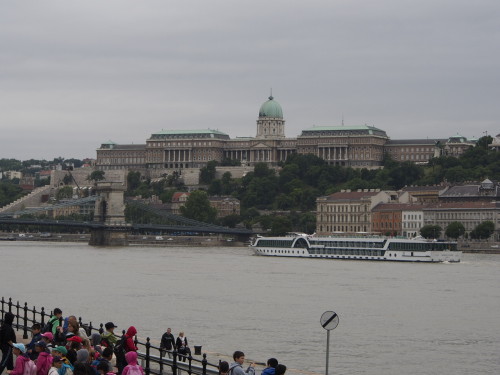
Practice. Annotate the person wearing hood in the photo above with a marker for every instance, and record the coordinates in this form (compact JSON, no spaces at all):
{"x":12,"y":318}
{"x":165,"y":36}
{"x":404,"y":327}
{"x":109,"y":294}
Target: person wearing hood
{"x":82,"y":365}
{"x":128,"y":346}
{"x":44,"y":359}
{"x":132,"y":367}
{"x":7,"y":338}
{"x":21,"y":361}
{"x":82,"y":356}
{"x":236,"y":367}
{"x":129,"y":340}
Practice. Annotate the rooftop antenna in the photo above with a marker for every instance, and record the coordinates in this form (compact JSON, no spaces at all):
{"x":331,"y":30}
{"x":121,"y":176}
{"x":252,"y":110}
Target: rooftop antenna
{"x":342,"y":119}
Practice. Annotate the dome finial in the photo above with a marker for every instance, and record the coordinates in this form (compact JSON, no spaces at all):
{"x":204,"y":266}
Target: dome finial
{"x":271,"y":96}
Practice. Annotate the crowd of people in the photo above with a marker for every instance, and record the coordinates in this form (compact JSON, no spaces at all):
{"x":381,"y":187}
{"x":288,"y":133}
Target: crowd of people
{"x":62,"y":347}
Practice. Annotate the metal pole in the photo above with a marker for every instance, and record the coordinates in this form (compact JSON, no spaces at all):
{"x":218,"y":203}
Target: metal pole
{"x":327,"y":350}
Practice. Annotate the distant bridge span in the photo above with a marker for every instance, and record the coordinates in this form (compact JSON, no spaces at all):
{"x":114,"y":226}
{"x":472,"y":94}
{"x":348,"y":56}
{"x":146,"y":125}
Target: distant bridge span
{"x":109,"y":226}
{"x":127,"y":227}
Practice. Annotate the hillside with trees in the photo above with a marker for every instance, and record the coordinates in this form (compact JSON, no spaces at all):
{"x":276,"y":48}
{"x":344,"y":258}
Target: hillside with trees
{"x":283,"y":199}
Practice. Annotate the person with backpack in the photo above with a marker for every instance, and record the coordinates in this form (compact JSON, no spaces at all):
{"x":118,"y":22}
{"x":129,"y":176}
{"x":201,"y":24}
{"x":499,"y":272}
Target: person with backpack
{"x":109,"y":339}
{"x":24,"y":365}
{"x":7,"y":338}
{"x":119,"y":351}
{"x":236,"y":367}
{"x":54,"y":322}
{"x":44,"y":360}
{"x":133,"y":368}
{"x":129,"y":342}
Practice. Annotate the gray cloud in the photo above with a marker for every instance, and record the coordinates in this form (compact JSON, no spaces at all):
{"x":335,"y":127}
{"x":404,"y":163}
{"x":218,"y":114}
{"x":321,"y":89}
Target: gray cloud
{"x":75,"y":74}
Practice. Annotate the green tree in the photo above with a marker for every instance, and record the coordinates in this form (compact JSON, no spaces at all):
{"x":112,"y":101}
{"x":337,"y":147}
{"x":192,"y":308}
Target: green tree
{"x":455,"y":230}
{"x":65,"y":192}
{"x":67,"y":179}
{"x":430,"y":231}
{"x":207,"y":174}
{"x":9,"y":192}
{"x":281,"y":225}
{"x":10,"y":165}
{"x":197,"y":207}
{"x":230,"y":220}
{"x":96,"y":176}
{"x":133,"y":181}
{"x":483,"y":230}
{"x":166,"y":195}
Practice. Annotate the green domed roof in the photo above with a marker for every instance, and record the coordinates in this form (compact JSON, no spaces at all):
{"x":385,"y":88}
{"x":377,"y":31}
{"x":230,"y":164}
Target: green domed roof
{"x":271,"y":108}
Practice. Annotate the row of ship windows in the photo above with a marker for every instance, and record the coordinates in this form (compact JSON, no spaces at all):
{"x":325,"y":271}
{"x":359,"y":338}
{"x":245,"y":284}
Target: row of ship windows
{"x":365,"y":253}
{"x":284,"y":251}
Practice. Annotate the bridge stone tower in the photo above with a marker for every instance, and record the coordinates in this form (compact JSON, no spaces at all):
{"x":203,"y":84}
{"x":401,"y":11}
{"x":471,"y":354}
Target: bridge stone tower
{"x":110,"y":211}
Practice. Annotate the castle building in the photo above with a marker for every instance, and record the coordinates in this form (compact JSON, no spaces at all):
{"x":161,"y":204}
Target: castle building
{"x":351,"y":146}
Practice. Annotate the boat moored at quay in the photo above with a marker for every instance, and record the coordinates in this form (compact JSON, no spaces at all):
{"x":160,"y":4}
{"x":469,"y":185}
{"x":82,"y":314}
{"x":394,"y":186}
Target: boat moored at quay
{"x":358,"y":248}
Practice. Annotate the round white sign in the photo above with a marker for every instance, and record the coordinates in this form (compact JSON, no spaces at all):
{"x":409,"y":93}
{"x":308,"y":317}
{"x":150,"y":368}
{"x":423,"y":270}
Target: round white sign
{"x":329,"y":320}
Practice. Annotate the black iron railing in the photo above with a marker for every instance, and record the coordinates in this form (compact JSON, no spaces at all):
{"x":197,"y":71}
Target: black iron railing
{"x":154,"y":359}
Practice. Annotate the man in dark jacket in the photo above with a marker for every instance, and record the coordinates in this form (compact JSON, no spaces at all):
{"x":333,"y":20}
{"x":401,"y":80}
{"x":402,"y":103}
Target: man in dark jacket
{"x":168,"y":342}
{"x":7,"y":338}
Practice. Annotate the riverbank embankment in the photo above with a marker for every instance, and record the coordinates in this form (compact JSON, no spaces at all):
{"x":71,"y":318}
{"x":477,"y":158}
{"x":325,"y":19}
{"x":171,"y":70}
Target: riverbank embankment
{"x":137,"y":240}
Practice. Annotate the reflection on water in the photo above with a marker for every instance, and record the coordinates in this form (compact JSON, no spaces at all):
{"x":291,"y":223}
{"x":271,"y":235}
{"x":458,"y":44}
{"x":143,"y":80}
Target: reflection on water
{"x":395,"y":318}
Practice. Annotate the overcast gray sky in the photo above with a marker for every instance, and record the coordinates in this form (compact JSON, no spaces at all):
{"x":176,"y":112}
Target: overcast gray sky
{"x":74,"y":74}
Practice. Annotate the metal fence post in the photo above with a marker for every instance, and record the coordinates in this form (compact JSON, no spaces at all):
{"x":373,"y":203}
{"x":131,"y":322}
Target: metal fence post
{"x":25,"y":323}
{"x":162,"y":353}
{"x":34,"y":315}
{"x":101,"y":329}
{"x":174,"y":364}
{"x":42,"y":313}
{"x":204,"y":363}
{"x":17,"y":314}
{"x":148,"y":347}
{"x":10,"y":304}
{"x":2,"y":311}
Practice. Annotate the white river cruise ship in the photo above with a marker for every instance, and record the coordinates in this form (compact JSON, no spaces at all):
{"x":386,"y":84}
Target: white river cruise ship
{"x":358,"y":247}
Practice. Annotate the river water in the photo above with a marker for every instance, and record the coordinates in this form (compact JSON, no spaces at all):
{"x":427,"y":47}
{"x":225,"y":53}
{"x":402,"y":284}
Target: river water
{"x":395,"y":318}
